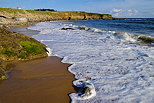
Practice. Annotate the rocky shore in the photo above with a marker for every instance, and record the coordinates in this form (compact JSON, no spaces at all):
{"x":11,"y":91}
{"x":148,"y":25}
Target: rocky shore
{"x":17,"y":46}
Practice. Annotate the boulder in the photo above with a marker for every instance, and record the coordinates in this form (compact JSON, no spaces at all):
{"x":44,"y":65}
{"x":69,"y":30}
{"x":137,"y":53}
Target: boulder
{"x":21,"y":19}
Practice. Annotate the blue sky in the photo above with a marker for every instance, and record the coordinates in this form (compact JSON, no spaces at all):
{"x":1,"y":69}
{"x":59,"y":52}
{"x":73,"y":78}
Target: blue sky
{"x":118,"y":8}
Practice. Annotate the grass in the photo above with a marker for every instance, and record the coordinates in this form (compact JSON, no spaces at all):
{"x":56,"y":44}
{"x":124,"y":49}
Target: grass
{"x":42,"y":12}
{"x":10,"y":10}
{"x":34,"y":15}
{"x":30,"y":48}
{"x":19,"y":46}
{"x":8,"y":52}
{"x":15,"y":11}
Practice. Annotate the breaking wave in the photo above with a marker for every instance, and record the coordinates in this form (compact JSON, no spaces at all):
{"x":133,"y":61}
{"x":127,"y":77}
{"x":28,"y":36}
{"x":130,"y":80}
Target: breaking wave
{"x":110,"y":66}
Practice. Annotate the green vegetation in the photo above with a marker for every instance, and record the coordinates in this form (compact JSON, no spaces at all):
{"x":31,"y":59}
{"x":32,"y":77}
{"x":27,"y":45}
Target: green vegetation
{"x":42,"y":12}
{"x":49,"y":14}
{"x":8,"y":52}
{"x":30,"y":48}
{"x":15,"y":47}
{"x":19,"y":46}
{"x":10,"y":10}
{"x":45,"y":10}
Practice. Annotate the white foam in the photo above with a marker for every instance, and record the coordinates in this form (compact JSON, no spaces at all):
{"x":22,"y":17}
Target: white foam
{"x":49,"y":51}
{"x":90,"y":93}
{"x":119,"y":71}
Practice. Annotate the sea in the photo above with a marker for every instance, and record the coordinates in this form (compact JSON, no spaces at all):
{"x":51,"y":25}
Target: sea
{"x":109,"y":62}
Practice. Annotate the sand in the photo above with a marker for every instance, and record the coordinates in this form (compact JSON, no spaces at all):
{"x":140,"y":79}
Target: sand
{"x":24,"y":30}
{"x":44,"y":80}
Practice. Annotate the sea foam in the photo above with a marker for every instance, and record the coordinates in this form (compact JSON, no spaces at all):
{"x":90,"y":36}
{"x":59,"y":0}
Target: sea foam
{"x":114,"y":69}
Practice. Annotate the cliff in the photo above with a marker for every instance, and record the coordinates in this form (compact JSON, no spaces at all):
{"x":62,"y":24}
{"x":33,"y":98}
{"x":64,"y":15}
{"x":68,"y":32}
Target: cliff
{"x":18,"y":16}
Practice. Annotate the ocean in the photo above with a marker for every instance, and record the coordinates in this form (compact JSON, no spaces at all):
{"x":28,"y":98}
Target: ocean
{"x":110,"y":63}
{"x":137,"y":26}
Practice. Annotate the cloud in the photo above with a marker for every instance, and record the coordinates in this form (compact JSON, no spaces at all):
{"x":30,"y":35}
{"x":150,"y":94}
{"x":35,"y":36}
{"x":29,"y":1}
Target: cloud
{"x":131,"y":12}
{"x":116,"y":10}
{"x":124,"y":13}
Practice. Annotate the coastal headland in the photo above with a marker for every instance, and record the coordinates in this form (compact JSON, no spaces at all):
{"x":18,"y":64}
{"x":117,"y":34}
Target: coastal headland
{"x":17,"y":46}
{"x":19,"y":17}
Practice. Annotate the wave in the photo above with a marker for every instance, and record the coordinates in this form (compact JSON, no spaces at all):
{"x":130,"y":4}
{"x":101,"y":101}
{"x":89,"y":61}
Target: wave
{"x":118,"y":35}
{"x":107,"y":67}
{"x":124,"y":36}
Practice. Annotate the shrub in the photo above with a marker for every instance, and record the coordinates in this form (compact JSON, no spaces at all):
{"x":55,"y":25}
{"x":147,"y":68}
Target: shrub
{"x":45,"y":10}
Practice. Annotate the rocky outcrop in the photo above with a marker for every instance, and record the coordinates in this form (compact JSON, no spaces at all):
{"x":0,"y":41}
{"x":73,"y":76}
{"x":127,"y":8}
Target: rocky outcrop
{"x":15,"y":47}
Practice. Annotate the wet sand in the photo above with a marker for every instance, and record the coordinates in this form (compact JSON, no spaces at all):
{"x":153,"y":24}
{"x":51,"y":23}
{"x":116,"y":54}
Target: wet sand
{"x":24,"y":30}
{"x":43,"y":80}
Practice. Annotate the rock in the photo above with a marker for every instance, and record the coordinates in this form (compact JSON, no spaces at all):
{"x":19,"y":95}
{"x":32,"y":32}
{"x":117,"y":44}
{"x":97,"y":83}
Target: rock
{"x":21,"y":19}
{"x":67,"y":29}
{"x":3,"y":77}
{"x":146,"y":38}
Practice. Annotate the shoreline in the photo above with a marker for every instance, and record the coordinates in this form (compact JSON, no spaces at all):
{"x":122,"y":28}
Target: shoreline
{"x":28,"y":32}
{"x":40,"y":80}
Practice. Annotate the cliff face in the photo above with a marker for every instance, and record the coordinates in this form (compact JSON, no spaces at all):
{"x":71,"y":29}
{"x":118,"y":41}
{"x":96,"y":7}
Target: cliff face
{"x":83,"y":16}
{"x":18,"y":16}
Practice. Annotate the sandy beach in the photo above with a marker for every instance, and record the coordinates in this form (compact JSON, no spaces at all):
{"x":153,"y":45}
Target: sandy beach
{"x":43,"y":80}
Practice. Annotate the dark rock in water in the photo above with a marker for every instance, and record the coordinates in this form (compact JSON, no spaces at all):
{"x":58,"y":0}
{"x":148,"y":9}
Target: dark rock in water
{"x":146,"y":38}
{"x":83,"y":28}
{"x":67,"y":29}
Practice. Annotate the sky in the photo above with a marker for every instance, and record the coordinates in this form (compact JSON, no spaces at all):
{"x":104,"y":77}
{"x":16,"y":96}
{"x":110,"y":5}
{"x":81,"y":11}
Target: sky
{"x":118,"y":8}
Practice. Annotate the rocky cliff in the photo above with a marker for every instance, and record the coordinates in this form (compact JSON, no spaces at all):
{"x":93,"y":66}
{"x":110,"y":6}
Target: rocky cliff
{"x":19,"y":16}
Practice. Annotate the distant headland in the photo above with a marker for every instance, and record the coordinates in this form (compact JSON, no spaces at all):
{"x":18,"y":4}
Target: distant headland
{"x":9,"y":16}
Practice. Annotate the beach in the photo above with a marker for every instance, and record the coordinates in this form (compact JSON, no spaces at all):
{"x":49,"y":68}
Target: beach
{"x":42,"y":80}
{"x":109,"y":66}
